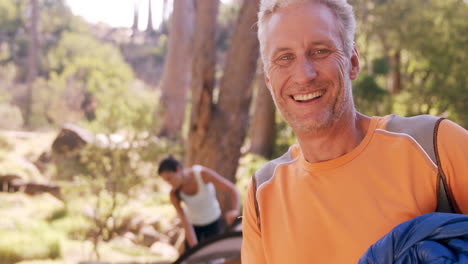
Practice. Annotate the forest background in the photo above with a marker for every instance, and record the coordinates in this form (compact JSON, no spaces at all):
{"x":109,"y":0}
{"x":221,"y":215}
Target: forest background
{"x":88,"y":110}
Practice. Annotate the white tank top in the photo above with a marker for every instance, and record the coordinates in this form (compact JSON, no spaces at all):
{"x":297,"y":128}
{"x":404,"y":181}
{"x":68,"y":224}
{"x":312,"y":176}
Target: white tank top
{"x":201,"y":208}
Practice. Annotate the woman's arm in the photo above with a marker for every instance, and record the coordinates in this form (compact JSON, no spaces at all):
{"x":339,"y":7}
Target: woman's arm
{"x":224,"y":186}
{"x":188,"y":228}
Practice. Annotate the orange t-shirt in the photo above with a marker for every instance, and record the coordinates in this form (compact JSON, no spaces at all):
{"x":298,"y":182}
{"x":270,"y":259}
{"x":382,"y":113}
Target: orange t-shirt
{"x":332,"y":211}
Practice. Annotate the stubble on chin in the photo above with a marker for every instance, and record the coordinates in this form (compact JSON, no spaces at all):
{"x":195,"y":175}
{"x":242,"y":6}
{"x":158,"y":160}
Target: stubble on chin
{"x":324,"y":120}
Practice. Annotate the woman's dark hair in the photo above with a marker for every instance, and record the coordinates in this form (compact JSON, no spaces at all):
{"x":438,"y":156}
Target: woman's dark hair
{"x":168,"y":164}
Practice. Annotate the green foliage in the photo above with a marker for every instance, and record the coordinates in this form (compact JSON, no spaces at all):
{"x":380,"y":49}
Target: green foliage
{"x":11,"y":17}
{"x":431,"y":38}
{"x":10,"y":116}
{"x":107,"y":175}
{"x":80,"y":64}
{"x":5,"y":144}
{"x":36,"y":240}
{"x":74,"y":226}
{"x":227,"y":18}
{"x":56,"y":18}
{"x":162,"y":46}
{"x":284,"y":138}
{"x":248,"y":165}
{"x":369,"y":97}
{"x":380,"y":66}
{"x":367,"y":89}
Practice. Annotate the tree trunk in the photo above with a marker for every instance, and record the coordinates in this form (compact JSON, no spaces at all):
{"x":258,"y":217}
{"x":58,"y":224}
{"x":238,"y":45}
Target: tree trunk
{"x":395,"y":73}
{"x":136,"y":12}
{"x":217,"y":132}
{"x":262,"y":125}
{"x":163,"y":27}
{"x":149,"y":26}
{"x":203,"y":78}
{"x":33,"y":54}
{"x":177,"y":69}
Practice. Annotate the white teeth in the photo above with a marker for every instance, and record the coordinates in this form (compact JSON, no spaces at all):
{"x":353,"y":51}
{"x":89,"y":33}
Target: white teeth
{"x":306,"y":97}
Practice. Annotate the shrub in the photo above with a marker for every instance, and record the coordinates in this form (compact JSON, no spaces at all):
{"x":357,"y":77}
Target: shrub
{"x":10,"y":116}
{"x":34,"y":241}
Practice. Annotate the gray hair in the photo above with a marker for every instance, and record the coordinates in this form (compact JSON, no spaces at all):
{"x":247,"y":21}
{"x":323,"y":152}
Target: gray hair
{"x":340,"y":8}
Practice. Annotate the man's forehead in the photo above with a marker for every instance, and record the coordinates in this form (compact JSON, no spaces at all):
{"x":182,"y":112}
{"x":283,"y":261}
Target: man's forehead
{"x":306,"y":22}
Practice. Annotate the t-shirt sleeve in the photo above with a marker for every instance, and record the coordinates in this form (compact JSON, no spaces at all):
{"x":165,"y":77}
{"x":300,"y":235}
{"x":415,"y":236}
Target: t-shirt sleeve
{"x":452,"y":144}
{"x":252,"y":249}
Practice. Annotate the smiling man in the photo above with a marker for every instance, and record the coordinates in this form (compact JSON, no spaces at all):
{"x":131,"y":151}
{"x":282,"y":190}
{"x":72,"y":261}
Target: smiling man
{"x":351,"y":178}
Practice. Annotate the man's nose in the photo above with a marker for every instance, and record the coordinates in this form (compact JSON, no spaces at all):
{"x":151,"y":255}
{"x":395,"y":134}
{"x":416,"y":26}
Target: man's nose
{"x":306,"y":71}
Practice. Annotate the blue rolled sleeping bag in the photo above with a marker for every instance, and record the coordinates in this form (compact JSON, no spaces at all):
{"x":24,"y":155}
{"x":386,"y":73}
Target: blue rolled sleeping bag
{"x":435,"y":238}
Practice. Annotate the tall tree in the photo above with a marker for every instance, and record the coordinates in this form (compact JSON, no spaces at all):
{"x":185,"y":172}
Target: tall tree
{"x":217,"y":131}
{"x":136,"y":16}
{"x":149,"y":26}
{"x":33,"y":53}
{"x":163,"y":27}
{"x":177,"y":69}
{"x":394,"y":80}
{"x":262,"y":125}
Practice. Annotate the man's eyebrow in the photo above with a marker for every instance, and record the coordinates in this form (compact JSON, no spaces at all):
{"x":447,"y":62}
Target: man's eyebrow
{"x":321,"y":42}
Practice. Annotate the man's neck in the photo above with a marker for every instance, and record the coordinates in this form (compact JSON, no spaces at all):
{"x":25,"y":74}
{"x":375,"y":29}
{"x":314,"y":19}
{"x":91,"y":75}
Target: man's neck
{"x":331,"y":143}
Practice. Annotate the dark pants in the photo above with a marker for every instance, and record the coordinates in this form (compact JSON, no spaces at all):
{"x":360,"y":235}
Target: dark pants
{"x":207,"y":231}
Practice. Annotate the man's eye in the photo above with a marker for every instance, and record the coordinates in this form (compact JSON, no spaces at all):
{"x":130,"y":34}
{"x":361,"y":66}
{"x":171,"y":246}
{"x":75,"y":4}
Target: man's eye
{"x":321,"y":53}
{"x":286,"y":57}
{"x":284,"y":60}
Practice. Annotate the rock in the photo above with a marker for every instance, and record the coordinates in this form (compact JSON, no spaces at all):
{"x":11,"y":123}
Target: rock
{"x":32,"y":188}
{"x":130,"y":236}
{"x":164,"y":249}
{"x":148,"y":235}
{"x":154,"y":221}
{"x":136,"y":224}
{"x":42,"y":161}
{"x":71,"y":140}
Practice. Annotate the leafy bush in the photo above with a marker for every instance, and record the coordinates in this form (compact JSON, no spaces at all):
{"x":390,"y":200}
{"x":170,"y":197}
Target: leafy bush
{"x":5,"y":145}
{"x":75,"y":227}
{"x":10,"y":116}
{"x":248,"y":165}
{"x":33,"y":241}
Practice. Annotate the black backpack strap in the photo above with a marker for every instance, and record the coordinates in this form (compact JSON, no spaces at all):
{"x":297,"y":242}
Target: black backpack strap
{"x":424,"y":129}
{"x":445,"y":201}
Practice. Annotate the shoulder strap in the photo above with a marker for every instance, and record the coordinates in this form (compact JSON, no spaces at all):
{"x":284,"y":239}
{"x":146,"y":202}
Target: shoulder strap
{"x":197,"y":172}
{"x":424,"y":128}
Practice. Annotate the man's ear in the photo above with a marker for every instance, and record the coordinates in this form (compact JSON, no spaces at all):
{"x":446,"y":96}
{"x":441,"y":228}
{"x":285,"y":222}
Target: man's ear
{"x":267,"y":80}
{"x":355,"y":67}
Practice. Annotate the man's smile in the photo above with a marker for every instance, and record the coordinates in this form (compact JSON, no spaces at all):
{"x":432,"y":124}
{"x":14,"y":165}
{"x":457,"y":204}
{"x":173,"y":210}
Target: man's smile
{"x":302,"y":98}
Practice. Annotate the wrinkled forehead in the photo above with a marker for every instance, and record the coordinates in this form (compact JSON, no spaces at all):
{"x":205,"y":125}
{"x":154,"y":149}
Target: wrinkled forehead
{"x":300,"y":24}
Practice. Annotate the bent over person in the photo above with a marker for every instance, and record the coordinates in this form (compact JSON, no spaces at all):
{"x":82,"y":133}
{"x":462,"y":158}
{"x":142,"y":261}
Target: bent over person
{"x":351,"y":178}
{"x":193,"y":195}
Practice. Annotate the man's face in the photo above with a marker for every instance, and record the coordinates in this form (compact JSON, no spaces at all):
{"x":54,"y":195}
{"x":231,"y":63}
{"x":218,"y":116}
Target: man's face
{"x":307,"y":72}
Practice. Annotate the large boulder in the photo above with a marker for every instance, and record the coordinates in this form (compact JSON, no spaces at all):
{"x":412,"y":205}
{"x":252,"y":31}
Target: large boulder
{"x":70,"y":140}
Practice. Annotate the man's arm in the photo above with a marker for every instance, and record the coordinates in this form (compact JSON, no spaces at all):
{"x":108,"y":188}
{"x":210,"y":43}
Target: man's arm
{"x":452,"y":145}
{"x":252,"y":249}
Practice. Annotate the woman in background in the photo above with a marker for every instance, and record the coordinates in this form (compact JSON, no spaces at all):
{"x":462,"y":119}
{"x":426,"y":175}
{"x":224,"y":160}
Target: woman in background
{"x":196,"y":187}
